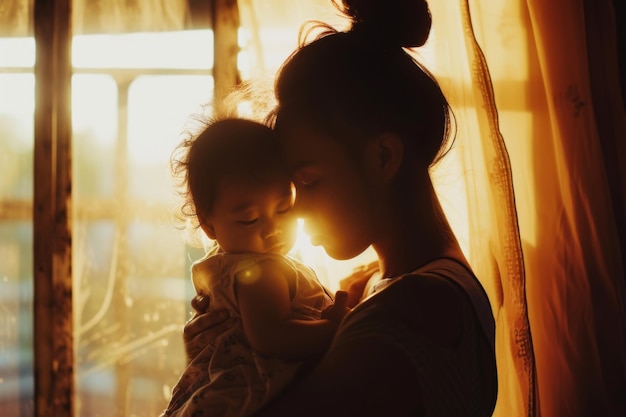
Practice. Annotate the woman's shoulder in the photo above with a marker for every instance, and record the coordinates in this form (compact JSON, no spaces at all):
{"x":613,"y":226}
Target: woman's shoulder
{"x":418,"y":335}
{"x":432,"y":309}
{"x":441,"y":284}
{"x":428,"y":301}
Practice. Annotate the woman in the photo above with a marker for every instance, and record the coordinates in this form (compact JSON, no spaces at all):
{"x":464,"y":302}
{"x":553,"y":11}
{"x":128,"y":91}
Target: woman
{"x":360,"y":124}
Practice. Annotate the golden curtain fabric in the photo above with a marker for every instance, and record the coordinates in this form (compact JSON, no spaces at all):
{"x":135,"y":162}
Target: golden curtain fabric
{"x":539,"y":123}
{"x":493,"y":243}
{"x":559,"y":120}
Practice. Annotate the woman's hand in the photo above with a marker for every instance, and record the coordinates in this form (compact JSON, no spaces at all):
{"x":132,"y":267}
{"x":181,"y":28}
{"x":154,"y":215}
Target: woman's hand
{"x":356,"y":283}
{"x":203,"y":327}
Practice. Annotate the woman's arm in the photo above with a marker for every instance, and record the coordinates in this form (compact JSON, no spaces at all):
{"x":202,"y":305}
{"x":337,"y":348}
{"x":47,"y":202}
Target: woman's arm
{"x":367,"y":374}
{"x":356,"y":379}
{"x":204,"y":326}
{"x":266,"y":313}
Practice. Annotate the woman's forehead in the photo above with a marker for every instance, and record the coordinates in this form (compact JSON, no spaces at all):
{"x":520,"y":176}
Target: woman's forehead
{"x":305,"y":146}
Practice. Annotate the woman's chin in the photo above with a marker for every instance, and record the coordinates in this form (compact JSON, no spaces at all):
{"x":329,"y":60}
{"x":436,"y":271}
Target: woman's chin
{"x":331,"y":250}
{"x":337,"y":254}
{"x":317,"y":241}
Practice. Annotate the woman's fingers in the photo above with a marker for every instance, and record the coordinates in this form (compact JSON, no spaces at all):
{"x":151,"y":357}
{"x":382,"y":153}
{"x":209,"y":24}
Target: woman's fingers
{"x":356,"y":283}
{"x":341,"y":299}
{"x":203,"y":322}
{"x":203,"y":329}
{"x":200,"y":304}
{"x":358,"y":275}
{"x":207,"y":327}
{"x":339,"y":308}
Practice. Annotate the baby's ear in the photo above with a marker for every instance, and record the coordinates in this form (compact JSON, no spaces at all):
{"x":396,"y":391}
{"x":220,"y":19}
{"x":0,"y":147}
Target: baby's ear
{"x":389,"y":151}
{"x":208,"y":228}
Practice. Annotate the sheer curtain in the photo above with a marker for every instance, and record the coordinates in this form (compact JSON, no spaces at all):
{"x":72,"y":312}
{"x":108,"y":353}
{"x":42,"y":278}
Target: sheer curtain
{"x":557,"y":94}
{"x":482,"y":165}
{"x":534,"y":187}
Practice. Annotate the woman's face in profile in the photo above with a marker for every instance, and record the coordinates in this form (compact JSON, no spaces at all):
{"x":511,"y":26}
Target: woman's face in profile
{"x":332,"y":196}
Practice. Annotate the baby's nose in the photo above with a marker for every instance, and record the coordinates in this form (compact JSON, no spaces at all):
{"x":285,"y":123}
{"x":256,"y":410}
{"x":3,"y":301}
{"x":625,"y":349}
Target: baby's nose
{"x":270,"y":228}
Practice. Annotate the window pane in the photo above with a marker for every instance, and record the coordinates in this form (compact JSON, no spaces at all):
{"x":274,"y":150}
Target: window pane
{"x":16,"y":228}
{"x":17,"y":96}
{"x":16,"y":315}
{"x":189,"y":49}
{"x":130,"y":263}
{"x":94,"y":135}
{"x":159,"y":107}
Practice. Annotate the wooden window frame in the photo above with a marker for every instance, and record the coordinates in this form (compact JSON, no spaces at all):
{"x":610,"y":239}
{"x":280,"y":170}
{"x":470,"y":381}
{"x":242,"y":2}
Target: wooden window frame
{"x":52,"y":215}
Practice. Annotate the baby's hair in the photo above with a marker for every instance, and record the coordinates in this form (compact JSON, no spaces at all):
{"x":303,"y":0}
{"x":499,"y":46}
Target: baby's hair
{"x":226,"y":147}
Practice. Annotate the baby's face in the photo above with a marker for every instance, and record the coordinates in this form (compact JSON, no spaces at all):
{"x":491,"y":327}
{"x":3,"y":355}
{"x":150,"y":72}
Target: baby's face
{"x":250,"y":216}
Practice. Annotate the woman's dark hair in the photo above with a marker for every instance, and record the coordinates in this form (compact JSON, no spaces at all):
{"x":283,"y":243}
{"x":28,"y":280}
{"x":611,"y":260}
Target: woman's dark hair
{"x":361,"y":83}
{"x":230,"y":147}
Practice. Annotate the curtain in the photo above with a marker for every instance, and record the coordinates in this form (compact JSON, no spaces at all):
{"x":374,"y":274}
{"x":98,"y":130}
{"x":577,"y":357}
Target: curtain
{"x":549,"y":92}
{"x":482,"y":164}
{"x":557,"y":93}
{"x":579,"y":324}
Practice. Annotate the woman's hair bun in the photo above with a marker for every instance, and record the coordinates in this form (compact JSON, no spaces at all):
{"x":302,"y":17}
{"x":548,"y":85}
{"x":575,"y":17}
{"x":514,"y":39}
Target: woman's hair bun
{"x":403,"y":23}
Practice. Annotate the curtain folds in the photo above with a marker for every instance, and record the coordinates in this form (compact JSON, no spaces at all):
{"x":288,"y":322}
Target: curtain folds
{"x":580,"y":348}
{"x":493,"y":245}
{"x":563,"y":123}
{"x":545,"y":213}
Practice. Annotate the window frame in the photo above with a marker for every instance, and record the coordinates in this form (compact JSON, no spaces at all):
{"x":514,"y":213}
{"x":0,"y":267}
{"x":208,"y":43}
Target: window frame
{"x":52,"y":200}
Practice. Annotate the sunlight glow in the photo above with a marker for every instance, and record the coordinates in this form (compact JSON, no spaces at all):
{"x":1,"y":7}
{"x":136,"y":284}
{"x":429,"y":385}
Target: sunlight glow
{"x":160,"y":107}
{"x":17,"y":92}
{"x":329,"y":271}
{"x":94,"y":107}
{"x":17,"y":106}
{"x":17,"y":52}
{"x":191,"y":49}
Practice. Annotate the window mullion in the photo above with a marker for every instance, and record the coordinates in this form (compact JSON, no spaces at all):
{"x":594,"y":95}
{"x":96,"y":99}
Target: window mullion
{"x":225,"y":49}
{"x":53,"y":330}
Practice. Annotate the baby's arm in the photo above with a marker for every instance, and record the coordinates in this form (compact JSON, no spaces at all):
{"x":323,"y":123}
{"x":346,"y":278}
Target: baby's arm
{"x":265,"y":306}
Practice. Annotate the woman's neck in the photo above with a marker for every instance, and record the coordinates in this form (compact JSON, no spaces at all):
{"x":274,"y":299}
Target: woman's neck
{"x":415,"y":232}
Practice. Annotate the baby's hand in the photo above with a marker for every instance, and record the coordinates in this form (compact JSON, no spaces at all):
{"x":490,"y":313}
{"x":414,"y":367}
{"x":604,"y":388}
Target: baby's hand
{"x":339,"y":309}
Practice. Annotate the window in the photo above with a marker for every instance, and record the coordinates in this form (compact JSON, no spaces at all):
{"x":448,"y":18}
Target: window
{"x":132,"y":94}
{"x":16,"y":226}
{"x":131,"y":298}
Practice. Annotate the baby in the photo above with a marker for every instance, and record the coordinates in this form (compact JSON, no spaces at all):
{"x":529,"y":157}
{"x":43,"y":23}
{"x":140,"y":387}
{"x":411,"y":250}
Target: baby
{"x":243,"y":199}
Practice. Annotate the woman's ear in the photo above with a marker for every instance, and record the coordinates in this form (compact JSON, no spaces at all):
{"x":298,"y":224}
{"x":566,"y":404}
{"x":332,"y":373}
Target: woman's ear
{"x":389,"y":152}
